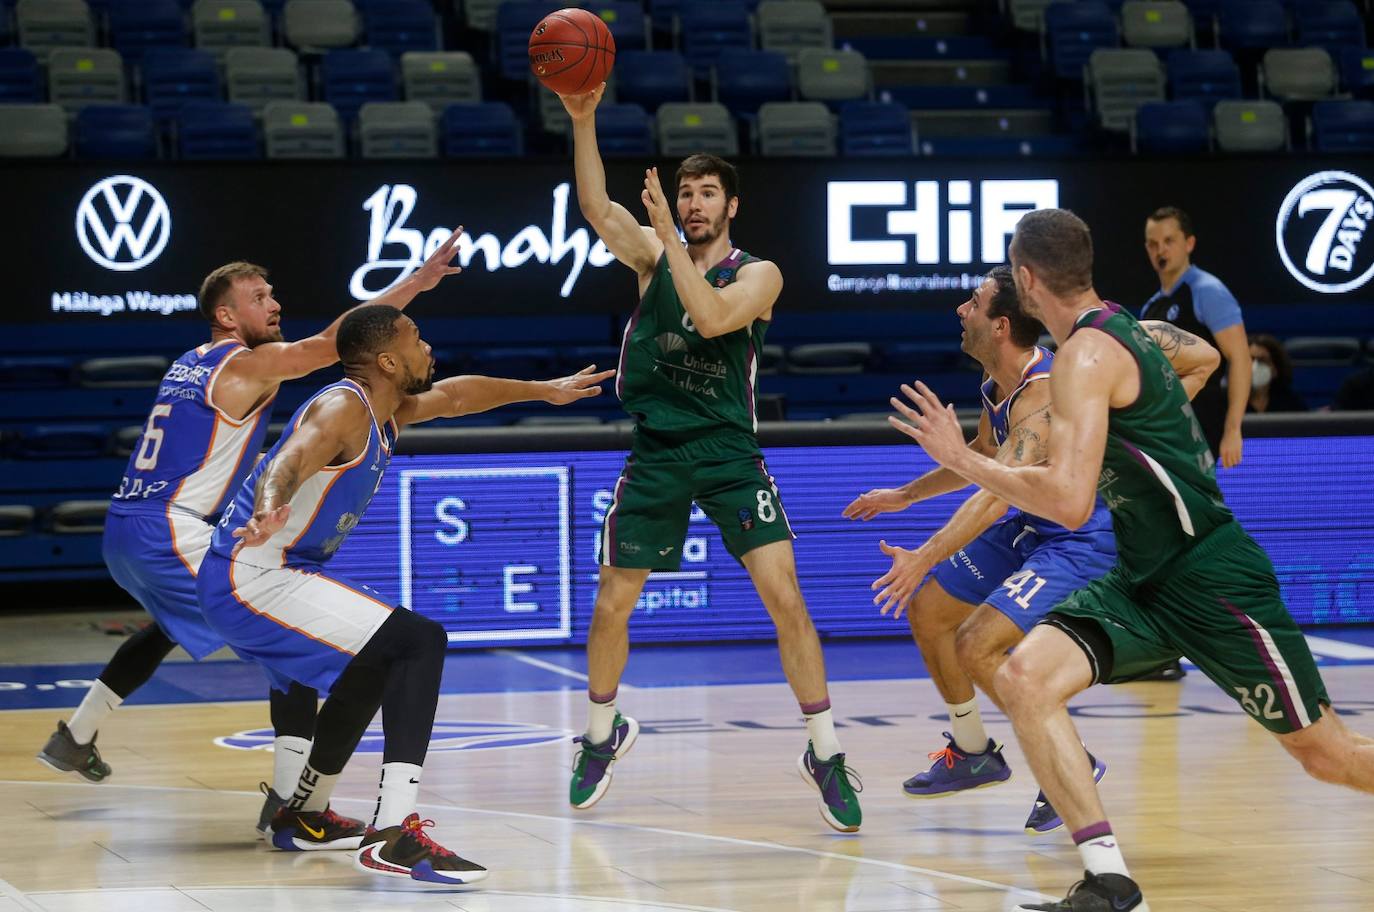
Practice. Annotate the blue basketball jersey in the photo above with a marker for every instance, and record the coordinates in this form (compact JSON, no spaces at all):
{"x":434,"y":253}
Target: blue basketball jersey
{"x":999,"y":413}
{"x":191,"y":455}
{"x":324,"y":509}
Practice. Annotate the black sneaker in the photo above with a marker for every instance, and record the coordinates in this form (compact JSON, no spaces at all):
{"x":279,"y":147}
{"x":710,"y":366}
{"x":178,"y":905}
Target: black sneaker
{"x":1096,"y":893}
{"x":271,"y":803}
{"x":315,"y":831}
{"x":64,"y":755}
{"x":407,"y":851}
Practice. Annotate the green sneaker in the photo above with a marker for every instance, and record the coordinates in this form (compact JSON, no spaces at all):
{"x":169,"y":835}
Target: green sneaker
{"x":839,"y":795}
{"x":592,"y":765}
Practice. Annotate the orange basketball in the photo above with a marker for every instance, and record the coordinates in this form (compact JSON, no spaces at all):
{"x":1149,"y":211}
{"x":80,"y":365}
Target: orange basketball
{"x":571,"y":51}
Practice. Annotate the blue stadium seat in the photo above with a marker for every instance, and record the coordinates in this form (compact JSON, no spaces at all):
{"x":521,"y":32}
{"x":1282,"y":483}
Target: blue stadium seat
{"x":35,"y":372}
{"x":351,"y":78}
{"x":1073,"y":31}
{"x":875,"y":129}
{"x":625,"y":19}
{"x":624,"y":130}
{"x":1171,"y":128}
{"x":1203,"y":76}
{"x":650,"y":78}
{"x":482,"y":130}
{"x":138,"y":25}
{"x":746,"y":79}
{"x":63,"y":441}
{"x":6,"y":21}
{"x":1357,"y":71}
{"x":1343,"y":126}
{"x":397,"y":26}
{"x":20,"y":79}
{"x":1252,"y":24}
{"x":515,"y":19}
{"x":1329,"y":23}
{"x":708,"y":29}
{"x":174,"y":76}
{"x":1204,"y":17}
{"x":217,"y":130}
{"x":115,"y":131}
{"x":662,"y":13}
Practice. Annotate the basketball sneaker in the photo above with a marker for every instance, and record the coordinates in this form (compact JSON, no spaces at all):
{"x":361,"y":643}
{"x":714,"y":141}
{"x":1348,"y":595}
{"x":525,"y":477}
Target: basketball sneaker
{"x":1096,"y":893}
{"x":1043,"y":817}
{"x":839,"y":795}
{"x":64,"y":755}
{"x":407,"y":851}
{"x":592,"y":765}
{"x":271,"y":803}
{"x":954,"y":771}
{"x":315,"y":831}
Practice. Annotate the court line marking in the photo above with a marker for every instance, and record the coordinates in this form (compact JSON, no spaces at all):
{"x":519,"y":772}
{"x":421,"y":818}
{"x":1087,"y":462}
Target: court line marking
{"x":550,"y":666}
{"x":604,"y":824}
{"x":1338,"y":649}
{"x":19,"y":896}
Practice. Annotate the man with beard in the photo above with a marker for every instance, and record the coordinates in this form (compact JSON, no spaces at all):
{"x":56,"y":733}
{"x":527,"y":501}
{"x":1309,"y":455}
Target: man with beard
{"x":266,"y":589}
{"x":201,"y":438}
{"x":688,"y":367}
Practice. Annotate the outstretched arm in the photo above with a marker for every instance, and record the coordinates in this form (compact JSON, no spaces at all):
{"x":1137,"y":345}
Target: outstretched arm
{"x":714,"y":312}
{"x":1087,"y":371}
{"x":278,"y":361}
{"x":327,"y":432}
{"x":630,"y":243}
{"x":470,"y":394}
{"x":1193,"y":359}
{"x":937,"y":481}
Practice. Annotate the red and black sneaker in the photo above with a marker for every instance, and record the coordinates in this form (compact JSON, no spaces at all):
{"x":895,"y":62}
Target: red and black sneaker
{"x":407,"y":851}
{"x":315,"y":831}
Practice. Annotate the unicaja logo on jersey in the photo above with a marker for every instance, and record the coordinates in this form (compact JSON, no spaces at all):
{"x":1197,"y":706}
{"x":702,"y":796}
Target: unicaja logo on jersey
{"x":1321,"y":232}
{"x":123,"y":223}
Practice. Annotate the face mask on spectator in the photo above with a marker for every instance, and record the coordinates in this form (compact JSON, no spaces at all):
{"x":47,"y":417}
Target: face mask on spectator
{"x":1261,"y":375}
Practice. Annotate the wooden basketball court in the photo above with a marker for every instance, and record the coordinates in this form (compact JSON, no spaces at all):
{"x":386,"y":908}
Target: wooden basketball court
{"x":707,"y":812}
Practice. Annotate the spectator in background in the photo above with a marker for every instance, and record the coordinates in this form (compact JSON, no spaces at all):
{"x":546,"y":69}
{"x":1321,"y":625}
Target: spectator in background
{"x":1198,"y":302}
{"x":1357,"y":392}
{"x":1271,"y":377}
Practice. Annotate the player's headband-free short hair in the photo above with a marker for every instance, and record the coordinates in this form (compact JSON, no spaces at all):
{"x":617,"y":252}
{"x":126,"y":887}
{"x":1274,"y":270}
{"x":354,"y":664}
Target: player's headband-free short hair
{"x":1058,"y":247}
{"x":220,"y":281}
{"x":703,"y":165}
{"x":366,"y":331}
{"x":1185,"y":221}
{"x":1025,"y":329}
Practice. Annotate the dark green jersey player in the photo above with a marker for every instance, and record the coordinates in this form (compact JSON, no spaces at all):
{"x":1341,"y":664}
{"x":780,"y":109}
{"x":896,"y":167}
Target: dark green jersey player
{"x":688,"y":366}
{"x":1189,"y":581}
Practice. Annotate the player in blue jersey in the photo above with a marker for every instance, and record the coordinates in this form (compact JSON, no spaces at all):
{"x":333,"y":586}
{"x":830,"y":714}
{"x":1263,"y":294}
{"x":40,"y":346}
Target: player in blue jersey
{"x":204,"y":431}
{"x":996,"y":574}
{"x":267,"y":589}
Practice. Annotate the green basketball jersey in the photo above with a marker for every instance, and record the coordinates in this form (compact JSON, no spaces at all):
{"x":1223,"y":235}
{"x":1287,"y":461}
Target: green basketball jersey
{"x":1158,"y":477}
{"x":671,"y":380}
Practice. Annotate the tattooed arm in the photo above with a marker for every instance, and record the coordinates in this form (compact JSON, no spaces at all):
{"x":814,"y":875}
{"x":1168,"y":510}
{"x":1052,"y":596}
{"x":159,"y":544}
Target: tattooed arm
{"x":1192,"y":358}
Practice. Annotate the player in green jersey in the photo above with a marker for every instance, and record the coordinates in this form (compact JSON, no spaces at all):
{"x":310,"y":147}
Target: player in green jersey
{"x":1188,"y":580}
{"x":688,"y":368}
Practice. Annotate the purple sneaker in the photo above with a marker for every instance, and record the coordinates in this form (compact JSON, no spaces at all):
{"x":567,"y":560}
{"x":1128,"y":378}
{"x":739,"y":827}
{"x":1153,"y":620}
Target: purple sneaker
{"x":956,"y":771}
{"x":1044,"y":818}
{"x":838,"y":785}
{"x":592,"y":766}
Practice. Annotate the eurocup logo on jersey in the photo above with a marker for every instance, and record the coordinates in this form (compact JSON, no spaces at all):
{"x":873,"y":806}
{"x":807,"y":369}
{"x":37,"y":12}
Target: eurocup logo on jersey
{"x":446,"y":736}
{"x":123,"y":223}
{"x":1322,"y":232}
{"x":397,"y":250}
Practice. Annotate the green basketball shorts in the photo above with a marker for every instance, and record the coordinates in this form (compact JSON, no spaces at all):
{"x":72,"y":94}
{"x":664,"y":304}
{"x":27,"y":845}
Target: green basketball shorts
{"x":646,"y":523}
{"x":1219,"y":605}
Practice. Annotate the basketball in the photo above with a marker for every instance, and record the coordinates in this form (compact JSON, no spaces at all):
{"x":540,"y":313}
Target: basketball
{"x":571,"y":51}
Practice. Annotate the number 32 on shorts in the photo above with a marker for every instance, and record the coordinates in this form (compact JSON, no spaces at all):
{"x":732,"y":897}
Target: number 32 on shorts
{"x":1251,"y":704}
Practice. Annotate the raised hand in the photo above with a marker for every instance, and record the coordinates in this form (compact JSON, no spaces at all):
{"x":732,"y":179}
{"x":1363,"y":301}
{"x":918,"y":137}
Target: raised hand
{"x":934,"y":426}
{"x":660,"y":216}
{"x":581,"y":385}
{"x":584,"y":105}
{"x":437,"y":267}
{"x":899,"y":584}
{"x":261,"y":527}
{"x":879,"y":500}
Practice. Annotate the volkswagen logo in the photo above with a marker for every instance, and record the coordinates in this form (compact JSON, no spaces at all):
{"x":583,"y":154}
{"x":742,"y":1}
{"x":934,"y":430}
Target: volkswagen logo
{"x":1320,"y":232}
{"x":123,"y":223}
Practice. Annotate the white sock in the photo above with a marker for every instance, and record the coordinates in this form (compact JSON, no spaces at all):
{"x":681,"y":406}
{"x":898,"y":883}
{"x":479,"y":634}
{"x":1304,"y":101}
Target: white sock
{"x":288,"y":761}
{"x":966,"y":725}
{"x":600,"y":719}
{"x":98,"y":703}
{"x":400,"y":791}
{"x":1100,"y":851}
{"x":821,"y":729}
{"x":313,"y":790}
